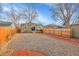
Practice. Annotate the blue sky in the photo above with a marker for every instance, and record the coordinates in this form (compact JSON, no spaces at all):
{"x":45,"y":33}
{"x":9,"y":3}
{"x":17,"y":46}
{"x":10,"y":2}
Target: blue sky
{"x":44,"y":13}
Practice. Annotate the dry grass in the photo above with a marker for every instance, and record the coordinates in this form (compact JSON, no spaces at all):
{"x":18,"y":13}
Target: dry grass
{"x":26,"y":53}
{"x":9,"y":52}
{"x":73,"y":41}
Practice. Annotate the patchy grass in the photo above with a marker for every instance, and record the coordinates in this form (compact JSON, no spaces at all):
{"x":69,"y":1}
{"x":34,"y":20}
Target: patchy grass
{"x":19,"y":53}
{"x":26,"y":53}
{"x":5,"y":52}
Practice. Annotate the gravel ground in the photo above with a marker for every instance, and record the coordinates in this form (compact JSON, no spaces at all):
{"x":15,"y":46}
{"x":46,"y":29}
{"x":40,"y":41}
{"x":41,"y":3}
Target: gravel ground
{"x":44,"y":44}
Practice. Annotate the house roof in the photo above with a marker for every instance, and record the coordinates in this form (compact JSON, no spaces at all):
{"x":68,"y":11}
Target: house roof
{"x":5,"y":24}
{"x":51,"y":26}
{"x":31,"y":24}
{"x":74,"y":25}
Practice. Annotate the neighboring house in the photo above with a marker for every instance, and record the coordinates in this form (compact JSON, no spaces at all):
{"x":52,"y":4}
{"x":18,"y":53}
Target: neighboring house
{"x":6,"y":24}
{"x":50,"y":26}
{"x":26,"y":27}
{"x":75,"y":30}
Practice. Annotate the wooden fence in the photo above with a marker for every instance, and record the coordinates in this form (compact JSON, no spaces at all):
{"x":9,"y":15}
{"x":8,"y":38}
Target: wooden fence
{"x":63,"y":32}
{"x":6,"y":34}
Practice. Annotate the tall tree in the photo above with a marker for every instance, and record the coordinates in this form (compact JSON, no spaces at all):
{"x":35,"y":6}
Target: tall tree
{"x":30,"y":14}
{"x":14,"y":16}
{"x":1,"y":9}
{"x":65,"y":12}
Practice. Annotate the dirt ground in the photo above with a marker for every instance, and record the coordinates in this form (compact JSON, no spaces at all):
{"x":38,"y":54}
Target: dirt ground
{"x":43,"y":44}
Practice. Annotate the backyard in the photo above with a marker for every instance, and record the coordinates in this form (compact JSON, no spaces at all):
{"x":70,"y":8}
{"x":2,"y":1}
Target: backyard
{"x":43,"y":44}
{"x":39,"y":29}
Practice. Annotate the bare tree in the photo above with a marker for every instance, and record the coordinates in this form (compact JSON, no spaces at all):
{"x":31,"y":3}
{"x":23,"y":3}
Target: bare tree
{"x":65,"y":12}
{"x":30,"y":14}
{"x":1,"y":9}
{"x":14,"y":17}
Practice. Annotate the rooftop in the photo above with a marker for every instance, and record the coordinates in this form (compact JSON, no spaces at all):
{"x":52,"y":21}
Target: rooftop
{"x":4,"y":24}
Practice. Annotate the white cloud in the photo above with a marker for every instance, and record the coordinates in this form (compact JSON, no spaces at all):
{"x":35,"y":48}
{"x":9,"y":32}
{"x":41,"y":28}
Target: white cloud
{"x":49,"y":4}
{"x":6,"y":9}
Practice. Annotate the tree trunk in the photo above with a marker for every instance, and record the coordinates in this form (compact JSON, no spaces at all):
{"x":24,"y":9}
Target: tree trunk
{"x":18,"y":29}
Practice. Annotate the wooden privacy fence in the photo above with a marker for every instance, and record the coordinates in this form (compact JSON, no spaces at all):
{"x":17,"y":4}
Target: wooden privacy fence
{"x":63,"y":32}
{"x":6,"y":34}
